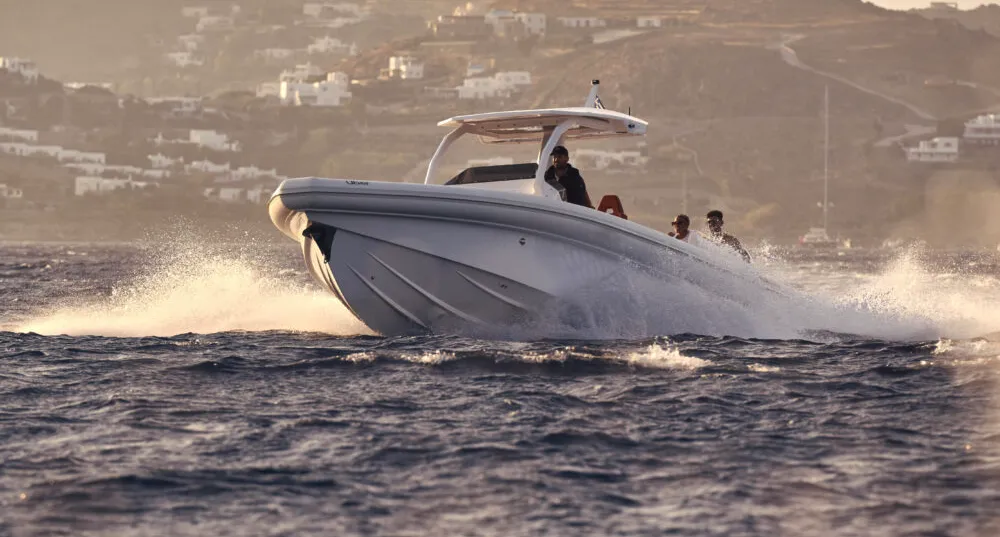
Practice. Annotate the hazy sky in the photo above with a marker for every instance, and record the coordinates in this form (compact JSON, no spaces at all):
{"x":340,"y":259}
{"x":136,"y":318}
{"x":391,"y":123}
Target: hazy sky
{"x":907,"y":4}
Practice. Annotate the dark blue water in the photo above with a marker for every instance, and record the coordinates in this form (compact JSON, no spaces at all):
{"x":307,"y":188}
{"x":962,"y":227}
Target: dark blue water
{"x":281,"y":432}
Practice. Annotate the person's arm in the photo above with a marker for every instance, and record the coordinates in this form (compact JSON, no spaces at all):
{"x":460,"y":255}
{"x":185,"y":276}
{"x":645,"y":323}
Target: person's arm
{"x":739,"y":248}
{"x":586,"y":194}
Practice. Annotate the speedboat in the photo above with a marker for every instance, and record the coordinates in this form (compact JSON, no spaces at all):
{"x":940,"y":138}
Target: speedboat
{"x":818,"y":239}
{"x":495,"y":248}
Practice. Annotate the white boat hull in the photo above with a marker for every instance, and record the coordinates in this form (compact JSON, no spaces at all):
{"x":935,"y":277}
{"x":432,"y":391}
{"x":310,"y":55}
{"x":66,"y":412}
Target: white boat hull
{"x":445,"y":259}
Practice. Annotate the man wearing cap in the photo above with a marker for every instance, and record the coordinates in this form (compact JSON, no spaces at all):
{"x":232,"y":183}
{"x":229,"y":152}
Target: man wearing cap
{"x":714,"y":220}
{"x":569,"y":177}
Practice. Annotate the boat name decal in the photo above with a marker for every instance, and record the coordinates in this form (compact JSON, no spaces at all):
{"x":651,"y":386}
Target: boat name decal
{"x":352,"y":182}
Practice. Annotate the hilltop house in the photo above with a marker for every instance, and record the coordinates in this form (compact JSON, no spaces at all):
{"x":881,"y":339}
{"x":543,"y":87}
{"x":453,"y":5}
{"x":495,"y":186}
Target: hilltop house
{"x":936,"y":150}
{"x":405,"y":68}
{"x":330,"y":92}
{"x":648,"y":22}
{"x":582,"y":22}
{"x":17,"y":134}
{"x":9,"y":192}
{"x":983,"y":130}
{"x":213,"y":140}
{"x":533,"y":23}
{"x":26,"y":68}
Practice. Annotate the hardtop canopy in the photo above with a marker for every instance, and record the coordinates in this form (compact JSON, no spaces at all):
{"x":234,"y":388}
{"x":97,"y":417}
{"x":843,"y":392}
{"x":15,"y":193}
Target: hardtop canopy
{"x":521,"y":126}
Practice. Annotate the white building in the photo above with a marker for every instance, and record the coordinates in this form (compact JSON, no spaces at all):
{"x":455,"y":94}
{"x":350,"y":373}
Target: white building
{"x":483,"y":87}
{"x":274,"y":53}
{"x":301,"y":73}
{"x":190,"y":42}
{"x":331,"y":92}
{"x":18,"y":134}
{"x":406,"y":68}
{"x":319,"y":10}
{"x":46,"y":150}
{"x":649,"y":22}
{"x":514,"y":79}
{"x":582,"y":22}
{"x":252,"y":172}
{"x":534,"y":23}
{"x":161,"y":161}
{"x":184,"y":59}
{"x":101,"y":185}
{"x":9,"y":192}
{"x":215,"y":23}
{"x":156,"y":174}
{"x":500,"y":20}
{"x":87,"y":168}
{"x":599,"y":159}
{"x":936,"y":150}
{"x":211,"y":139}
{"x":983,"y":130}
{"x":124,"y":170}
{"x":206,"y":166}
{"x":330,"y":45}
{"x":194,"y":12}
{"x":495,"y":161}
{"x":14,"y":148}
{"x":72,"y":155}
{"x":26,"y":68}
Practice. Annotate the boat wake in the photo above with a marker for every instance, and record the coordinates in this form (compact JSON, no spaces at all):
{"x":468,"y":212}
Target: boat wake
{"x":194,"y":288}
{"x":199,"y":289}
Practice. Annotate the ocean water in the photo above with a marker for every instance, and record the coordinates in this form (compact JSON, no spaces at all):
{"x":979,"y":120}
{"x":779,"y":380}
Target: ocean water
{"x":179,"y":388}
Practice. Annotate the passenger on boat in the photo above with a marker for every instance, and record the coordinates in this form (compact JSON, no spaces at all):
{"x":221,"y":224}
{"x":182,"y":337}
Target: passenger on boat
{"x":714,"y":220}
{"x":682,"y":231}
{"x":569,"y":177}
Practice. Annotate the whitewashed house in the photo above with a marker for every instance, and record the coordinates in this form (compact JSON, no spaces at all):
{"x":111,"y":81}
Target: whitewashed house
{"x":331,"y":92}
{"x":92,"y":169}
{"x":156,"y":174}
{"x":190,"y":42}
{"x":211,"y":139}
{"x":252,"y":172}
{"x":124,"y":170}
{"x":161,"y":161}
{"x":514,"y":79}
{"x":648,"y":22}
{"x":194,"y":12}
{"x":534,"y":23}
{"x":495,"y":161}
{"x":9,"y":192}
{"x":301,"y":73}
{"x":600,"y":159}
{"x":206,"y":166}
{"x":184,"y":59}
{"x":406,"y":68}
{"x":274,"y":53}
{"x":101,"y":185}
{"x":14,"y":148}
{"x":936,"y":150}
{"x":983,"y":130}
{"x":329,"y":45}
{"x":72,"y":155}
{"x":26,"y":68}
{"x":18,"y":134}
{"x":215,"y":23}
{"x":483,"y":87}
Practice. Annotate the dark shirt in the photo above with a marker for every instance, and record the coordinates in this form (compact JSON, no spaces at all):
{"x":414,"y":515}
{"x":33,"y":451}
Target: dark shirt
{"x":572,"y":181}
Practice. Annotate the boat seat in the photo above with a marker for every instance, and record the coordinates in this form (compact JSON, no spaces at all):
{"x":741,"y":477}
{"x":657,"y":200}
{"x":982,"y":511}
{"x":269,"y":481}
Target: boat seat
{"x":612,"y":204}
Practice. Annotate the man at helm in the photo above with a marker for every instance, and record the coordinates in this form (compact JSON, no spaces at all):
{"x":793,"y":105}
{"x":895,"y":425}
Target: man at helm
{"x":569,"y":177}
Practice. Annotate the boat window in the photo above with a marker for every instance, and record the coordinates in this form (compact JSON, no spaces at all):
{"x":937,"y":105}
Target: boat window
{"x":490,"y":174}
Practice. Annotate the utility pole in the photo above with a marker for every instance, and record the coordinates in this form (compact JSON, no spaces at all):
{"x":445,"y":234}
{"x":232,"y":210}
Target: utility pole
{"x":826,"y":156}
